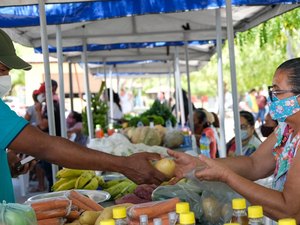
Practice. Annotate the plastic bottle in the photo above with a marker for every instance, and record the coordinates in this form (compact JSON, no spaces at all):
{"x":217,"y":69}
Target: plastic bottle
{"x":110,"y":130}
{"x":107,"y":222}
{"x":143,"y":220}
{"x":99,"y":132}
{"x":231,"y":224}
{"x":140,"y":124}
{"x":157,"y":221}
{"x":182,"y":207}
{"x":168,"y":124}
{"x":287,"y":221}
{"x":239,"y":214}
{"x":187,"y":218}
{"x":204,"y":143}
{"x":119,"y":215}
{"x":173,"y":218}
{"x":255,"y":215}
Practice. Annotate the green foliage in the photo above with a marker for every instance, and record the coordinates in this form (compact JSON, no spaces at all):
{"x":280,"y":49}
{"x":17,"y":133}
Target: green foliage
{"x":99,"y":110}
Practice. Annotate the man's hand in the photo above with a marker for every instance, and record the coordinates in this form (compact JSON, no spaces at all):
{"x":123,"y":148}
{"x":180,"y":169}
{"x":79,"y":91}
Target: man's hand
{"x":185,"y":163}
{"x":13,"y":160}
{"x":139,"y":168}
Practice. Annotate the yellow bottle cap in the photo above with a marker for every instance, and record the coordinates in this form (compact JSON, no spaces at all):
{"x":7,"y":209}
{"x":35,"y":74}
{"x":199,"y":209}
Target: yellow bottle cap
{"x":238,"y":203}
{"x":231,"y":224}
{"x":187,"y":218}
{"x":255,"y":211}
{"x":119,"y":212}
{"x":287,"y":221}
{"x":107,"y":222}
{"x":182,"y":207}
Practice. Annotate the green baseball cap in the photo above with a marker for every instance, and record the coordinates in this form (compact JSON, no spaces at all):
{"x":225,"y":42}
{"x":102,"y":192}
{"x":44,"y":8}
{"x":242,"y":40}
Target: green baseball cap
{"x":8,"y":55}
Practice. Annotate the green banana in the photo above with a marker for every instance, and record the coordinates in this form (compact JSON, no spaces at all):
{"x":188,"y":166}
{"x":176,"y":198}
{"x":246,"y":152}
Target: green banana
{"x":92,"y":184}
{"x":83,"y":179}
{"x":111,"y":183}
{"x":118,"y":188}
{"x":130,"y":189}
{"x":70,"y":184}
{"x":58,"y":183}
{"x":65,"y":172}
{"x":101,"y":181}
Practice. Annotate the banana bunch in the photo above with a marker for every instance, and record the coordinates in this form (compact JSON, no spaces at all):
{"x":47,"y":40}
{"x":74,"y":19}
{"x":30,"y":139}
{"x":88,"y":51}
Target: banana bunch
{"x":121,"y":188}
{"x":76,"y":179}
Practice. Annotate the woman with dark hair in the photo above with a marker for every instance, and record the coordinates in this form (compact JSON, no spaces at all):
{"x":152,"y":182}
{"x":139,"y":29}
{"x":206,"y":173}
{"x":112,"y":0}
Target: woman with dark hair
{"x":117,"y":109}
{"x":250,"y":139}
{"x":203,"y":126}
{"x":277,"y":155}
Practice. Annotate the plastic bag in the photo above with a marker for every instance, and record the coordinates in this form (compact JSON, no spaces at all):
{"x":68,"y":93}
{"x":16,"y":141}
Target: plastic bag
{"x":17,"y":214}
{"x":186,"y":190}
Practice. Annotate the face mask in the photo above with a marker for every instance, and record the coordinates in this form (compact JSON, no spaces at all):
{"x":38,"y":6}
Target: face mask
{"x":266,"y":131}
{"x":281,"y":109}
{"x":244,"y":134}
{"x":41,"y":98}
{"x":5,"y":85}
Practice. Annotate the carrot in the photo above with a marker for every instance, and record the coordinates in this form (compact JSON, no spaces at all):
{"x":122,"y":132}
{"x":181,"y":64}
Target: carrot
{"x":164,"y":220}
{"x":86,"y":200}
{"x":73,"y":215}
{"x":49,"y":205}
{"x":52,"y":221}
{"x":152,"y":209}
{"x":79,"y":204}
{"x":61,"y":212}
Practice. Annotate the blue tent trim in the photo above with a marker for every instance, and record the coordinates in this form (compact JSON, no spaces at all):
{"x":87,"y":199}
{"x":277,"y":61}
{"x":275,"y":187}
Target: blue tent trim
{"x":19,"y":16}
{"x":96,"y":47}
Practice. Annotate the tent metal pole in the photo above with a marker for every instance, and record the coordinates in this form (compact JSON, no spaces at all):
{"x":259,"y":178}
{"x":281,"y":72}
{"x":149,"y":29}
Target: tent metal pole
{"x":111,"y":97}
{"x":222,"y":144}
{"x":176,"y":92}
{"x":49,"y":97}
{"x":87,"y":91}
{"x":177,"y":75}
{"x":61,"y":83}
{"x":71,"y":94}
{"x":236,"y":114}
{"x":186,"y":48}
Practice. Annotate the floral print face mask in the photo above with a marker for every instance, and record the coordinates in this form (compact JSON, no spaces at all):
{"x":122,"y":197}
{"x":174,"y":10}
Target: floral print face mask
{"x":281,"y":109}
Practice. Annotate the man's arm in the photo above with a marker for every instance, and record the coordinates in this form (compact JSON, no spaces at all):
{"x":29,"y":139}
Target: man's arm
{"x":65,"y":153}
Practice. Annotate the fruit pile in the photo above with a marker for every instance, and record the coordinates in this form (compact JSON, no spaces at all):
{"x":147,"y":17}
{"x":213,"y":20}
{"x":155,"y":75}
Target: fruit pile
{"x":76,"y":179}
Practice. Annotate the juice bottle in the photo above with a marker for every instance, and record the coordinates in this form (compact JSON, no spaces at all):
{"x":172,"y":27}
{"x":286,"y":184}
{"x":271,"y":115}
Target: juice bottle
{"x":187,"y":218}
{"x":143,"y":220}
{"x":119,"y":215}
{"x":255,"y":215}
{"x":110,"y":130}
{"x":287,"y":221}
{"x":107,"y":222}
{"x":239,"y":214}
{"x":99,"y":133}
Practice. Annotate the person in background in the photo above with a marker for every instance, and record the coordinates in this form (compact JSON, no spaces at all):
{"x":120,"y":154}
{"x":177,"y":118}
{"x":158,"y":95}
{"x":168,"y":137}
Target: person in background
{"x":277,"y":155}
{"x":74,"y":126}
{"x":202,"y":126}
{"x":16,"y":133}
{"x":185,"y":105}
{"x":252,"y":102}
{"x":161,"y":98}
{"x":30,"y":114}
{"x":269,"y":126}
{"x":117,"y":108}
{"x":250,"y":139}
{"x":126,"y":101}
{"x":261,"y":102}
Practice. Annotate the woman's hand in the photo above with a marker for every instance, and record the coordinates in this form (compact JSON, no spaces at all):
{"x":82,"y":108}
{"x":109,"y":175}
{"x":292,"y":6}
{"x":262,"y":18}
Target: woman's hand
{"x":184,"y":164}
{"x":213,"y":170}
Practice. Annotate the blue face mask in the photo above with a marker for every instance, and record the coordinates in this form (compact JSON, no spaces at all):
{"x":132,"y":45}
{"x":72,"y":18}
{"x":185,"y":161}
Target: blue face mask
{"x":281,"y":109}
{"x":244,"y":134}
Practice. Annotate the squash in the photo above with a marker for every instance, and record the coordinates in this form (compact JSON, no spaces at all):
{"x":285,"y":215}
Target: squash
{"x":173,"y":139}
{"x":146,"y":135}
